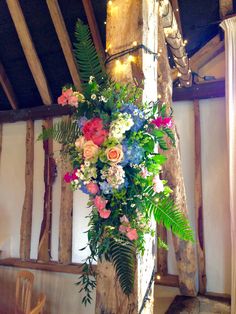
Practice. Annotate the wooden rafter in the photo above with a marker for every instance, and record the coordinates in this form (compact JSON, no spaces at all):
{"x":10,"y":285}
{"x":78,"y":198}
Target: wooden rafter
{"x":175,"y":7}
{"x":94,"y":27}
{"x":29,"y":50}
{"x":64,"y":39}
{"x":226,"y":8}
{"x":7,"y":87}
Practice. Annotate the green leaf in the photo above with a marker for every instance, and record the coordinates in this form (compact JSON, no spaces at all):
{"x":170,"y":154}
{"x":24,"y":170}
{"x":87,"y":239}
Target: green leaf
{"x":64,"y":132}
{"x":122,"y":254}
{"x":170,"y":134}
{"x":159,"y":159}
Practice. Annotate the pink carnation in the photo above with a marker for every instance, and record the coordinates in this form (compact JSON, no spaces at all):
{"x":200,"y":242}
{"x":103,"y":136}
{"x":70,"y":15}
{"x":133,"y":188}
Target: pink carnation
{"x":93,"y":130}
{"x":92,"y":188}
{"x":132,"y":234}
{"x":100,"y":202}
{"x":68,"y":177}
{"x":104,"y":213}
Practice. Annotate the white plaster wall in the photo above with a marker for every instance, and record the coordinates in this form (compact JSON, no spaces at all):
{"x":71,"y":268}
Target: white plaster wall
{"x":215,"y":188}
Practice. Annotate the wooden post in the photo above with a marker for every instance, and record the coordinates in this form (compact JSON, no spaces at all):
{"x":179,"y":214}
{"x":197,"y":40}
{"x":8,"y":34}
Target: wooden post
{"x":198,"y":201}
{"x":65,"y":224}
{"x":226,"y":8}
{"x":44,"y":249}
{"x":0,"y":141}
{"x":184,"y":251}
{"x":138,"y":20}
{"x":26,"y":216}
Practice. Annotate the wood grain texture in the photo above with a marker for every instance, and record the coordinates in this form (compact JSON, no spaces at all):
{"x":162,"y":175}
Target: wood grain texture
{"x":1,"y":133}
{"x":26,"y":216}
{"x":226,"y":8}
{"x":62,"y":34}
{"x":44,"y":248}
{"x":65,"y":223}
{"x":167,"y":280}
{"x":7,"y":87}
{"x":139,"y":20}
{"x":88,"y":7}
{"x":172,"y":171}
{"x":175,"y":7}
{"x":29,"y":50}
{"x":198,"y":201}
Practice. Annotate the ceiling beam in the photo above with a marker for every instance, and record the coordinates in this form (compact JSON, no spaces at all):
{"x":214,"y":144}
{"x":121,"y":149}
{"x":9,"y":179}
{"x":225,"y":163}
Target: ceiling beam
{"x":64,"y":39}
{"x":212,"y":89}
{"x":94,"y":28}
{"x":175,"y":7}
{"x":226,"y":8}
{"x":29,"y":50}
{"x":7,"y":87}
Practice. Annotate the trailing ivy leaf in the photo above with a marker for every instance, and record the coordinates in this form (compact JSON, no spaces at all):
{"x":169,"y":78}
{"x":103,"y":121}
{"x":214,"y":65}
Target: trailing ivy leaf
{"x":162,"y":144}
{"x":162,"y":244}
{"x":159,"y":159}
{"x":64,"y":132}
{"x":122,"y":254}
{"x":170,"y":134}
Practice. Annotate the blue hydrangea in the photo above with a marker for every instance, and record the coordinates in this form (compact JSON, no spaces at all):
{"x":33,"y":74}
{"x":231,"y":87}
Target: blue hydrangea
{"x":137,"y":116}
{"x":81,"y":121}
{"x":133,"y":153}
{"x":83,"y":188}
{"x":105,"y":187}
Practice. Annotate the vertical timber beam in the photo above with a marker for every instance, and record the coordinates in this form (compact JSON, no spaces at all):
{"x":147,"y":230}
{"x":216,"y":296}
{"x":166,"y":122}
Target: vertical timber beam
{"x":138,"y":18}
{"x":184,"y":251}
{"x":65,"y":224}
{"x":26,"y":216}
{"x":1,"y":129}
{"x":198,"y":201}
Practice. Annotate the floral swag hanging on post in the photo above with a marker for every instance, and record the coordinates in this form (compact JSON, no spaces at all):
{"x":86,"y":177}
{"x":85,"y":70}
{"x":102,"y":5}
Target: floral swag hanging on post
{"x":111,"y":141}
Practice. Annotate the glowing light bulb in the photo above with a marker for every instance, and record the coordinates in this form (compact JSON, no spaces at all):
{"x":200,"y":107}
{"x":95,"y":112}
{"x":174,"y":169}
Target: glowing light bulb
{"x":159,"y":96}
{"x":110,"y":2}
{"x":179,"y":74}
{"x":135,"y":43}
{"x":131,"y":58}
{"x":158,"y":277}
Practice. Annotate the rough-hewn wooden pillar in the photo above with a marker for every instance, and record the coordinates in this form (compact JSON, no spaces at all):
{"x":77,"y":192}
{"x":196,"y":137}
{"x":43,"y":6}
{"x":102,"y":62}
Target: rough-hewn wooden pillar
{"x":26,"y":216}
{"x":130,"y":22}
{"x":184,"y":251}
{"x":0,"y":141}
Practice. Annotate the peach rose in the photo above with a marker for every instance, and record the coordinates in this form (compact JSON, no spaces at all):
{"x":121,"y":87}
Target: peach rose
{"x":90,"y":150}
{"x":114,"y":154}
{"x":79,"y":143}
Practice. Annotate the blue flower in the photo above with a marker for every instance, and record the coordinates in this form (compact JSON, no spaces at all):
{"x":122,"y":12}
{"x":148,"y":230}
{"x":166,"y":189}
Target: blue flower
{"x":81,"y":121}
{"x":133,"y":153}
{"x":105,"y":187}
{"x":83,"y":188}
{"x":137,"y":116}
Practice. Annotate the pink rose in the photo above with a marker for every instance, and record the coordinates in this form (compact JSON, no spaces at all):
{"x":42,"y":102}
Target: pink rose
{"x":90,"y":150}
{"x":132,"y":234}
{"x":157,"y":184}
{"x":104,"y":213}
{"x":92,"y":188}
{"x":62,"y":100}
{"x":73,"y":101}
{"x":122,"y":229}
{"x":67,"y":177}
{"x":93,"y":130}
{"x":79,"y":143}
{"x":66,"y":94}
{"x":114,"y":154}
{"x":100,"y":202}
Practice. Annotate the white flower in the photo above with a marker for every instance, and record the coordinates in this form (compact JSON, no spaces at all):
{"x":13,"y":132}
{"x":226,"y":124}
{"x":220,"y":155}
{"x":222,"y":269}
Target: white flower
{"x":93,"y":96}
{"x":91,"y":78}
{"x":102,"y":98}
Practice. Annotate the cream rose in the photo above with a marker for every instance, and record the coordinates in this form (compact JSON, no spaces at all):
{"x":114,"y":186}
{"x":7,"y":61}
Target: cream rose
{"x":79,"y":143}
{"x":90,"y":150}
{"x":114,"y":154}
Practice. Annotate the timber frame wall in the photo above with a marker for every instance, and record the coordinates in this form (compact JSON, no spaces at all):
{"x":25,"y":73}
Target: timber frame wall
{"x":47,"y":112}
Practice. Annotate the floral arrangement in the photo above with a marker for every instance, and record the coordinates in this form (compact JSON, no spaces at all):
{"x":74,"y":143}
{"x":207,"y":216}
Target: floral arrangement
{"x":113,"y":141}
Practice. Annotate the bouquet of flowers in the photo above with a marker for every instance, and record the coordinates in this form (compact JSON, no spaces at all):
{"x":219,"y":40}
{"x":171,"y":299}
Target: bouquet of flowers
{"x":113,"y":141}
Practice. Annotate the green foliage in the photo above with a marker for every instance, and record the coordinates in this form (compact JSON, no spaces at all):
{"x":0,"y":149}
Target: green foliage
{"x":167,"y":213}
{"x":64,"y":132}
{"x":123,"y":254}
{"x":89,"y":63}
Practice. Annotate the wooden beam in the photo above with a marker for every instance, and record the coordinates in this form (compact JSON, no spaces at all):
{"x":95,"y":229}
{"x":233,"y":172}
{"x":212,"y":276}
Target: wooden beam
{"x":208,"y":52}
{"x":44,"y":248}
{"x":50,"y":266}
{"x":64,"y":39}
{"x":7,"y":87}
{"x":65,"y":223}
{"x":226,"y":8}
{"x":175,"y":7}
{"x":167,"y":280}
{"x":1,"y":131}
{"x":207,"y":90}
{"x":198,"y":201}
{"x":26,"y":216}
{"x":88,"y":7}
{"x":29,"y":50}
{"x":35,"y":113}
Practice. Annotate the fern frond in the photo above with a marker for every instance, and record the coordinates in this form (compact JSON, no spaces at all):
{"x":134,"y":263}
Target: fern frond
{"x":122,"y":253}
{"x":167,"y":213}
{"x":64,"y":132}
{"x":89,"y":63}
